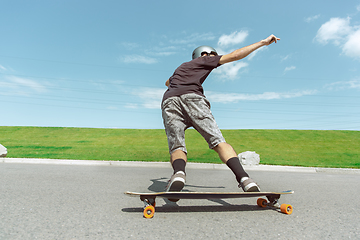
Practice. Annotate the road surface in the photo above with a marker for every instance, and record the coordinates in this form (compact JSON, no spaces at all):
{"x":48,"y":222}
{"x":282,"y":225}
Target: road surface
{"x":59,"y":201}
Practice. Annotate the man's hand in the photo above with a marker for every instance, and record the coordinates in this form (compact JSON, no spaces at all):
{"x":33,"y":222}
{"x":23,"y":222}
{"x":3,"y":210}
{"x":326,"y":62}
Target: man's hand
{"x":269,"y":40}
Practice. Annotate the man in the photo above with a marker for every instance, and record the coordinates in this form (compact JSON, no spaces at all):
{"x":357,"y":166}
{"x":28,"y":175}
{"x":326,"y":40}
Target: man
{"x":184,"y":105}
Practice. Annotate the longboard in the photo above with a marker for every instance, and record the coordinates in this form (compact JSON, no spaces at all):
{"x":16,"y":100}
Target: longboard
{"x":273,"y":197}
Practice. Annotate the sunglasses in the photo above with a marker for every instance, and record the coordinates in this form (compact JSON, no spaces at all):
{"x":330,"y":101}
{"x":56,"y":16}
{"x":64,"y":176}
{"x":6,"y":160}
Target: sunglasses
{"x":208,"y":54}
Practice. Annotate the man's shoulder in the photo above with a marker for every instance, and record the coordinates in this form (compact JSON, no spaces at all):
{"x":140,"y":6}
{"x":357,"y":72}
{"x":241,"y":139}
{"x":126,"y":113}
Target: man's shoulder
{"x":208,"y":61}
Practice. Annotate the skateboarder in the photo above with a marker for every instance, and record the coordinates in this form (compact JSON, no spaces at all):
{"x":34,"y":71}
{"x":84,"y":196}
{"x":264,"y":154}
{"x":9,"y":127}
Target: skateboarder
{"x":184,"y":105}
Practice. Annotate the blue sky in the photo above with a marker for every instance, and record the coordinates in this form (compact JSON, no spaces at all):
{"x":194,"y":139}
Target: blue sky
{"x":104,"y":64}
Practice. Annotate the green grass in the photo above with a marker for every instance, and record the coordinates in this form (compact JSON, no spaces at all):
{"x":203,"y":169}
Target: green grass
{"x":276,"y":147}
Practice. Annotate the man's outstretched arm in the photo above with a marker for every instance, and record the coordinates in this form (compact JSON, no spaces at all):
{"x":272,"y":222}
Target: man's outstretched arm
{"x":243,"y":52}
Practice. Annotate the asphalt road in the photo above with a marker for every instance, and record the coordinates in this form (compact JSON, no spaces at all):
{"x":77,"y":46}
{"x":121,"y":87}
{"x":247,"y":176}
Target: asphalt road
{"x":49,"y":201}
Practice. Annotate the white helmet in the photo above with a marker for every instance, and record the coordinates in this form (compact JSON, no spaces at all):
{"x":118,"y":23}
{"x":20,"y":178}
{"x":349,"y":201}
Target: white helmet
{"x":203,"y":49}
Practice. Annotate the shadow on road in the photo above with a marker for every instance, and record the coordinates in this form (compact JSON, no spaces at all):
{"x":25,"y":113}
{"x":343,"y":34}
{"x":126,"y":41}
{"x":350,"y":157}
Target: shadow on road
{"x":159,"y":184}
{"x":212,"y":208}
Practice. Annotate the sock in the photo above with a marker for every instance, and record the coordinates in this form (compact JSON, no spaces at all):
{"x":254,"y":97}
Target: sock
{"x":179,"y":165}
{"x":235,"y":166}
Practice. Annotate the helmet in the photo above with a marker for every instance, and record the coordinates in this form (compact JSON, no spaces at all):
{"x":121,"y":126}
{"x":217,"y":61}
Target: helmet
{"x":199,"y":50}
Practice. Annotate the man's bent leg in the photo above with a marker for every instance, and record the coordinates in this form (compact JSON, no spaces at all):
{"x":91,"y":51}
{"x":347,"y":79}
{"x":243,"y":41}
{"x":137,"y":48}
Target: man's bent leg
{"x":228,"y":155}
{"x":225,"y":151}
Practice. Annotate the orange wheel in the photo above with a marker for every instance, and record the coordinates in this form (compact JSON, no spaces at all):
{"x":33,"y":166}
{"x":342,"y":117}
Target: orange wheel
{"x":149,"y":211}
{"x":286,"y":208}
{"x":261,"y":202}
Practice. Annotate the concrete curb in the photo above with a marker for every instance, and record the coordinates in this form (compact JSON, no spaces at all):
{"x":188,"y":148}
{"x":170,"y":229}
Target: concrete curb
{"x":270,"y":168}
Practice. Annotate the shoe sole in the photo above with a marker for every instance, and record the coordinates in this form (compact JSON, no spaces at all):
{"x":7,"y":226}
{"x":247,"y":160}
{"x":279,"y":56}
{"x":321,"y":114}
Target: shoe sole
{"x":176,"y":186}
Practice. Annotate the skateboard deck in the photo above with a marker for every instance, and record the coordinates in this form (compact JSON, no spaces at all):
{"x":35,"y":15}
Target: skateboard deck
{"x":273,"y":197}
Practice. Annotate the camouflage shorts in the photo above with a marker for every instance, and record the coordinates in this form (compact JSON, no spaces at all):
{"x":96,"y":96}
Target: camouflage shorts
{"x":189,"y":110}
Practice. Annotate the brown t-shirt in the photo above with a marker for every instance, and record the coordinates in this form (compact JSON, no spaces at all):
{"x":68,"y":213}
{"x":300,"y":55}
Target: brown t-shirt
{"x":189,"y":76}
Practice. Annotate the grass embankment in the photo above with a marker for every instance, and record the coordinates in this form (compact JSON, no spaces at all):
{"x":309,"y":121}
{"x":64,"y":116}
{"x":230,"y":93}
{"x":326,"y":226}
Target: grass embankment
{"x":276,"y":147}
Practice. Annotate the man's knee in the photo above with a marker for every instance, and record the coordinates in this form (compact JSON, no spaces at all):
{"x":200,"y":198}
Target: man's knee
{"x":223,"y":146}
{"x":225,"y":151}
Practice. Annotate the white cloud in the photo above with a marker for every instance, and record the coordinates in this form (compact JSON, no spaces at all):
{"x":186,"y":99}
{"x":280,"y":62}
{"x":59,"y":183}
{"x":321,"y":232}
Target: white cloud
{"x":354,"y":84}
{"x":27,"y":83}
{"x":233,"y":38}
{"x":341,"y":85}
{"x":2,"y":68}
{"x":161,"y":54}
{"x":13,"y":85}
{"x":162,"y":51}
{"x":285,"y":58}
{"x":352,"y":46}
{"x":138,"y":59}
{"x":289,"y":68}
{"x":312,"y":18}
{"x":230,"y":70}
{"x":130,"y":45}
{"x":236,"y":97}
{"x":340,"y":32}
{"x":151,"y":97}
{"x":131,"y":105}
{"x":335,"y":30}
{"x":195,"y":37}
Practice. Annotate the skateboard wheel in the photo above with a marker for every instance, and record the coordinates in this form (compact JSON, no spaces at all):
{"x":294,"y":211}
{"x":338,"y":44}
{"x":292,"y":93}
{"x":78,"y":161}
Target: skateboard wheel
{"x":149,"y":211}
{"x":286,"y":208}
{"x":261,"y":202}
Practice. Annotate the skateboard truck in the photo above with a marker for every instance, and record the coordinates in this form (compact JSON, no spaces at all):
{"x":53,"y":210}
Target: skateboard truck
{"x":149,"y":206}
{"x":273,"y":203}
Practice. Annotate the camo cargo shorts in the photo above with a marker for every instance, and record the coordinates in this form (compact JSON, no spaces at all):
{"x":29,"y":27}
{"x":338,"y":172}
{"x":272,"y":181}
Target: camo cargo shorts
{"x":189,"y":110}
